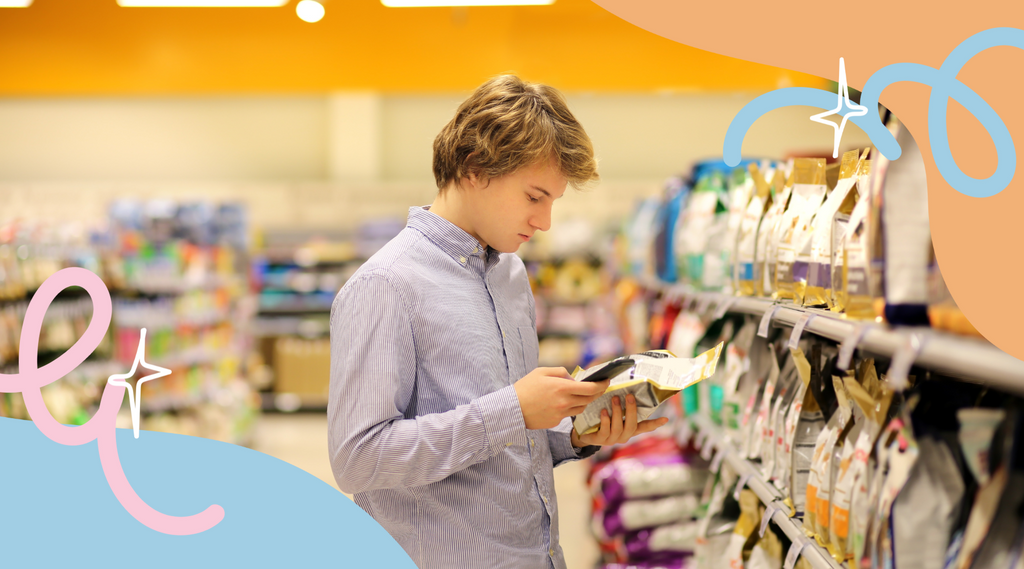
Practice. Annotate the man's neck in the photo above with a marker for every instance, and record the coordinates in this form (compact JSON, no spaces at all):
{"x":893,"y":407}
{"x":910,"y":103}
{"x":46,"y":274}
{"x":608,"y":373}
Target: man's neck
{"x":449,"y":206}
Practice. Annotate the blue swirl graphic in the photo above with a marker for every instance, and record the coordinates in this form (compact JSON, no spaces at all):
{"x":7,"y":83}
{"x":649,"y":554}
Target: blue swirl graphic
{"x":944,"y":86}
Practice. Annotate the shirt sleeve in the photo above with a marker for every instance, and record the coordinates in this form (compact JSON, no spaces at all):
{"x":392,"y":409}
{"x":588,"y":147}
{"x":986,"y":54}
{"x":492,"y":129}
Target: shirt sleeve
{"x":372,"y":444}
{"x":560,"y":442}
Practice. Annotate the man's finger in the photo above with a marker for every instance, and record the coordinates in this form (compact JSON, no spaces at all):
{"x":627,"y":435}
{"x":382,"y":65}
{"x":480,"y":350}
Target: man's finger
{"x":616,"y":431}
{"x":560,"y":372}
{"x":629,"y":424}
{"x":588,"y":388}
{"x":650,"y":425}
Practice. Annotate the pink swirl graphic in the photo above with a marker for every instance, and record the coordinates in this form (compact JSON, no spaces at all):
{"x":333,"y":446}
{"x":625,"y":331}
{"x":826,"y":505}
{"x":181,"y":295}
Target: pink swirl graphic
{"x":101,"y":427}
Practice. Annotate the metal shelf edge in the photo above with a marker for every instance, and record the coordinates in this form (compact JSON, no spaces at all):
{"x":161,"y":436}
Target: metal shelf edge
{"x":970,"y":359}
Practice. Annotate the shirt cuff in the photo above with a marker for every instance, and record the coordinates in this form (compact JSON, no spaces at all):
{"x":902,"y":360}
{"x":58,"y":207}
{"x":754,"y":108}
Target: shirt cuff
{"x":503,"y":419}
{"x":560,"y":442}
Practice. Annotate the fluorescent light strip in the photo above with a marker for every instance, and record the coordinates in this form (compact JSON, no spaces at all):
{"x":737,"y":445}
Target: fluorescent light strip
{"x":15,"y":3}
{"x":201,"y":3}
{"x":449,"y":3}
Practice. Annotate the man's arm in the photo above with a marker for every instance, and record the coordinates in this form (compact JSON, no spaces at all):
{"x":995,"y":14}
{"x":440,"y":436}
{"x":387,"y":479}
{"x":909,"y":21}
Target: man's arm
{"x":373,"y":371}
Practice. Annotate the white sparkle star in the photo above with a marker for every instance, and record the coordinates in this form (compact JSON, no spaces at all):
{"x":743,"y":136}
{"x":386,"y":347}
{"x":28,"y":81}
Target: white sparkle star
{"x":135,"y":399}
{"x":843,"y":97}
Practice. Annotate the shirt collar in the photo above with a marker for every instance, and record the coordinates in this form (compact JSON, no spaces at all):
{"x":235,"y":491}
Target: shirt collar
{"x":451,"y":239}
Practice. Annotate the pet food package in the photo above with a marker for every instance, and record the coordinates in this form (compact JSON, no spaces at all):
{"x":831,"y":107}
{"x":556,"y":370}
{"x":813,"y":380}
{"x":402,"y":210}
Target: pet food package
{"x":848,"y":514}
{"x":741,"y":188}
{"x":907,"y":240}
{"x":741,"y":542}
{"x":755,"y":382}
{"x":809,"y":189}
{"x":810,"y":425}
{"x":977,"y":427}
{"x":897,"y":452}
{"x":696,"y":224}
{"x":735,"y":391}
{"x":634,"y":515}
{"x":746,"y":240}
{"x":646,"y":477}
{"x":665,"y":542}
{"x":863,"y":253}
{"x":767,"y":247}
{"x":784,"y":466}
{"x":816,"y":251}
{"x":771,"y":456}
{"x":993,"y":482}
{"x":654,"y":377}
{"x":760,"y":427}
{"x":927,"y":508}
{"x":779,"y":473}
{"x":832,"y":459}
{"x":641,"y":233}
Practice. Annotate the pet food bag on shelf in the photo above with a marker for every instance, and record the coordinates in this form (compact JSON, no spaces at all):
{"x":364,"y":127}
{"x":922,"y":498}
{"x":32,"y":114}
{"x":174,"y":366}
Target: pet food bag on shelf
{"x":746,"y":237}
{"x":809,"y":190}
{"x":814,"y":281}
{"x":768,"y":233}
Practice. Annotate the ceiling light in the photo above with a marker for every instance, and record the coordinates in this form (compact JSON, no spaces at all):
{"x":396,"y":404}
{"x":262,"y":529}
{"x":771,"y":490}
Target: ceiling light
{"x":438,"y":3}
{"x":201,"y":3}
{"x":310,"y":11}
{"x":15,"y":3}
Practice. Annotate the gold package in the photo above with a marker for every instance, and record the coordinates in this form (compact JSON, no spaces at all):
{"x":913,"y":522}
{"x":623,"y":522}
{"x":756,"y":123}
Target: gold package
{"x":813,"y":271}
{"x":809,"y":189}
{"x":863,"y":252}
{"x":767,"y":233}
{"x":741,"y":189}
{"x":746,"y":240}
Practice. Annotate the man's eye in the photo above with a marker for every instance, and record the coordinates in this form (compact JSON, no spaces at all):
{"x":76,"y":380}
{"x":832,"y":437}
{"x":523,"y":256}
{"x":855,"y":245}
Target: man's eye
{"x":532,"y":199}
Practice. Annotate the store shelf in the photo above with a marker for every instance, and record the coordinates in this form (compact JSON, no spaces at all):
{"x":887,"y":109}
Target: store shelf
{"x":713,"y":438}
{"x":967,"y":358}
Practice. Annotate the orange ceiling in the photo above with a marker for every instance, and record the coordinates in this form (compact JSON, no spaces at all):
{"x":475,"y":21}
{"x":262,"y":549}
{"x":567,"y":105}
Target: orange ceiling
{"x":85,"y":47}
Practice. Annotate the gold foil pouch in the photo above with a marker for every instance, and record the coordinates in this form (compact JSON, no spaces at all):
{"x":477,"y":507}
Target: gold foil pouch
{"x":809,"y":189}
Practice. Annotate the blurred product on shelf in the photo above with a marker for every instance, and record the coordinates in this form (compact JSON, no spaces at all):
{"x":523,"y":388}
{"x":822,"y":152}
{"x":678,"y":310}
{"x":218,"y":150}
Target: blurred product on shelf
{"x":297,"y":274}
{"x":178,"y":270}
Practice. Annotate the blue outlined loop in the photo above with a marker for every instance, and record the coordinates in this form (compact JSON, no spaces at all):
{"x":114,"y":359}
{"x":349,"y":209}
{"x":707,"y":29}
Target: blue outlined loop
{"x":944,"y":86}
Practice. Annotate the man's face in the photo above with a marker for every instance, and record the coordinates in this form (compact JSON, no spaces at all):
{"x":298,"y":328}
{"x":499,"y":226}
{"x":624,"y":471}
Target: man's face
{"x":507,"y":211}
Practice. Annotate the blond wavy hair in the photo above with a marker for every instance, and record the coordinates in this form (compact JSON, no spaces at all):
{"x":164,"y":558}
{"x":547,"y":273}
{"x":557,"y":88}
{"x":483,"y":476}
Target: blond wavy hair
{"x":508,"y":124}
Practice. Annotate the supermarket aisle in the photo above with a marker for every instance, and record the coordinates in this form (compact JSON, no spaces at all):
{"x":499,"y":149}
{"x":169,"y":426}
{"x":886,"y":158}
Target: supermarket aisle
{"x":301,"y":439}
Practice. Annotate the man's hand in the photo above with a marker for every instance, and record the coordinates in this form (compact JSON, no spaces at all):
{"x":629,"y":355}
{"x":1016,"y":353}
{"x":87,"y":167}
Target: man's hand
{"x":617,"y":429}
{"x":549,"y":394}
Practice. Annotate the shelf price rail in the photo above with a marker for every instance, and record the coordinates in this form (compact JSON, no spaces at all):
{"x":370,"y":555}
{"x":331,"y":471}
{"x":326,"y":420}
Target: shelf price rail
{"x":712,"y":439}
{"x":967,"y":358}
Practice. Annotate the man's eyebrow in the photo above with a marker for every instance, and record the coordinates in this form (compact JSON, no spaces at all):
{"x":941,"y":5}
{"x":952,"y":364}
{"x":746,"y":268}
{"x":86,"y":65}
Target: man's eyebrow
{"x":543,"y":191}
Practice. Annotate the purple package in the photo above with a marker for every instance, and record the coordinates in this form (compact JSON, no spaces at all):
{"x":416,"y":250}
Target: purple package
{"x":649,"y":477}
{"x":632,"y":515}
{"x":670,"y":541}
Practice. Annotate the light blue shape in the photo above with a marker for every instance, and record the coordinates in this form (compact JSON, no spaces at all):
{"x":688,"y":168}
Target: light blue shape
{"x":944,"y":86}
{"x":57,"y":510}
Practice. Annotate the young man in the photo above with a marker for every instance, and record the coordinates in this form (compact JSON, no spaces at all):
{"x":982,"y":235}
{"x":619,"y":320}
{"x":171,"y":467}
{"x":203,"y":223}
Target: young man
{"x":441,"y":424}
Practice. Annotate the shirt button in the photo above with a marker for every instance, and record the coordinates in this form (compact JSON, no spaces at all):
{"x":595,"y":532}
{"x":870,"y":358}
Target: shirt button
{"x":462,"y":260}
{"x":551,"y":552}
{"x":531,"y":442}
{"x":545,"y":498}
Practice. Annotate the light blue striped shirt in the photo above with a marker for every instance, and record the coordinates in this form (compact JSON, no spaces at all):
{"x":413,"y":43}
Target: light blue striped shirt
{"x":425,"y":428}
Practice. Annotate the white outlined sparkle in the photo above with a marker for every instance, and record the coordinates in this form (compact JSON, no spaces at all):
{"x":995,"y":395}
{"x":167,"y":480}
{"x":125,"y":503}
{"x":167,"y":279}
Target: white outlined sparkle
{"x":135,"y":399}
{"x":843,"y":99}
